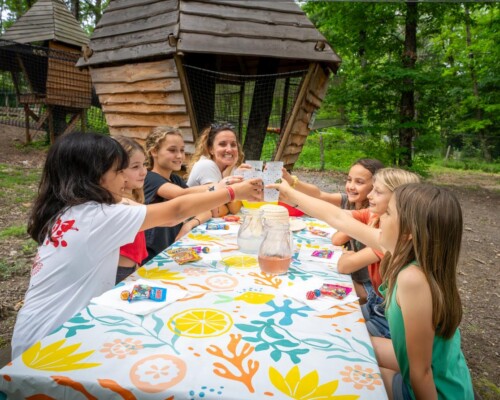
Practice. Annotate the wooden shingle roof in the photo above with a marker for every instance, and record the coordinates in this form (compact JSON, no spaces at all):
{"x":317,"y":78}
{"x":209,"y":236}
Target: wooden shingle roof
{"x":141,"y":29}
{"x":47,"y":20}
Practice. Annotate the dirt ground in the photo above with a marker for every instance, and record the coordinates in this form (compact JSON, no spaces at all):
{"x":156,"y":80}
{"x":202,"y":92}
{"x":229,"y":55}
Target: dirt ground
{"x":478,"y":274}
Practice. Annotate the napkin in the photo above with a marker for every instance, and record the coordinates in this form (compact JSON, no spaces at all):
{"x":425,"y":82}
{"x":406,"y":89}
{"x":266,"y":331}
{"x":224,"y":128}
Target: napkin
{"x":299,"y":290}
{"x":112,"y":299}
{"x":311,"y":254}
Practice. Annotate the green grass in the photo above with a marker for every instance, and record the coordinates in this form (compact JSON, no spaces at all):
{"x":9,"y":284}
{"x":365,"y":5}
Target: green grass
{"x":13,"y":231}
{"x":487,"y":389}
{"x":8,"y":270}
{"x":469,"y":165}
{"x":18,"y":184}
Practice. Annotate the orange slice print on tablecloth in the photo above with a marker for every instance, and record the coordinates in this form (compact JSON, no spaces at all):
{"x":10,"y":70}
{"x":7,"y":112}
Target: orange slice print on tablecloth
{"x":157,"y":373}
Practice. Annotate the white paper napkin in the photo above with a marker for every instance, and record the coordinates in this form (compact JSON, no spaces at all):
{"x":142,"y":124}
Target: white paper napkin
{"x":299,"y":290}
{"x":112,"y":299}
{"x":306,"y":254}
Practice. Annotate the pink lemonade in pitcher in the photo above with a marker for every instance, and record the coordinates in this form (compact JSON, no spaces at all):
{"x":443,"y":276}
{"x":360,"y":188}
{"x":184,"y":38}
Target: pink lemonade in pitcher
{"x":274,"y":265}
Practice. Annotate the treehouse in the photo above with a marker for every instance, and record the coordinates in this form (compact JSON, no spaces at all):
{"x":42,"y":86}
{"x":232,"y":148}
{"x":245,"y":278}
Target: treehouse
{"x":260,"y":65}
{"x":45,"y":77}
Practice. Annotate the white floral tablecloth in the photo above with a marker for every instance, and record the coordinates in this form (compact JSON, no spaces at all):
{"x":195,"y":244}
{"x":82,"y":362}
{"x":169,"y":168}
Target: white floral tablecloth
{"x":236,"y":334}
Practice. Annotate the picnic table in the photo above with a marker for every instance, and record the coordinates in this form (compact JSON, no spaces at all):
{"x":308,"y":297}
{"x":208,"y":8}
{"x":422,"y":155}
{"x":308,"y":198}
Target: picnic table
{"x":227,"y":331}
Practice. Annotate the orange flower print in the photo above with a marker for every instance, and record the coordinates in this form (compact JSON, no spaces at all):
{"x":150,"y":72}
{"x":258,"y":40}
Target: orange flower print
{"x":121,"y":348}
{"x":361,"y":378}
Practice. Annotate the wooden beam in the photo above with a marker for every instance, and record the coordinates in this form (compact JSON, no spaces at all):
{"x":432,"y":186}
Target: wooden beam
{"x":187,"y":95}
{"x":298,"y":101}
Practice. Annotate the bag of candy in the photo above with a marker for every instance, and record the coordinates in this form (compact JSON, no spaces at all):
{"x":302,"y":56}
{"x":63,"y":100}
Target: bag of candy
{"x":144,"y":292}
{"x":183,"y":255}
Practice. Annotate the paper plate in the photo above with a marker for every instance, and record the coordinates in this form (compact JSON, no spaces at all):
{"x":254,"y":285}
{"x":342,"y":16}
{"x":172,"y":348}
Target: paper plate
{"x":297,"y":225}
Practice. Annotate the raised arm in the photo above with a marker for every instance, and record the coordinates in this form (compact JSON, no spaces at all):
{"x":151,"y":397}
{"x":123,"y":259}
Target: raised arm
{"x":179,"y":209}
{"x":311,"y":190}
{"x":329,"y":213}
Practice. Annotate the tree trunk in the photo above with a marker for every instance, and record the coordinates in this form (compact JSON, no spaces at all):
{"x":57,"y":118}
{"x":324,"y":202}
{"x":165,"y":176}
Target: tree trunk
{"x":75,"y":9}
{"x":262,"y":105}
{"x":407,"y":104}
{"x":475,"y":88}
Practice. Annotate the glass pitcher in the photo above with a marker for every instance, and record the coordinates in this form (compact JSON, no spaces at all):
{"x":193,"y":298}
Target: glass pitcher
{"x":275,"y":253}
{"x":250,"y":234}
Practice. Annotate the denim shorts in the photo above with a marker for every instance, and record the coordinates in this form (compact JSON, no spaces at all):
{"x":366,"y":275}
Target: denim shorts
{"x":399,"y":389}
{"x":374,"y":315}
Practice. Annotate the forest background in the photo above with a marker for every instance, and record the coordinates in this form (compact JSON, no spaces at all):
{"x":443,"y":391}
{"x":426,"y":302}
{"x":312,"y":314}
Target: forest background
{"x":418,"y":81}
{"x":418,"y":84}
{"x":418,"y":87}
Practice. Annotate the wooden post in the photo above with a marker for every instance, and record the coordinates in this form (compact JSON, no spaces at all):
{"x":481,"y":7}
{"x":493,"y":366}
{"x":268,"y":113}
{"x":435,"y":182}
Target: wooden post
{"x":52,"y":136}
{"x":242,"y":109}
{"x":296,"y":107}
{"x":321,"y":152}
{"x":285,"y":103}
{"x":27,"y":123}
{"x":186,"y":91}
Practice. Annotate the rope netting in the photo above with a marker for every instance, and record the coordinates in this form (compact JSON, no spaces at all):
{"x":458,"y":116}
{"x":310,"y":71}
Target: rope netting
{"x":42,"y":86}
{"x":258,"y":106}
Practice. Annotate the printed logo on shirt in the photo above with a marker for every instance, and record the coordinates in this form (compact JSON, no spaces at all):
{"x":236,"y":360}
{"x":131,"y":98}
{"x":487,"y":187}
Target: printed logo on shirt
{"x":37,"y":265}
{"x":58,"y":231}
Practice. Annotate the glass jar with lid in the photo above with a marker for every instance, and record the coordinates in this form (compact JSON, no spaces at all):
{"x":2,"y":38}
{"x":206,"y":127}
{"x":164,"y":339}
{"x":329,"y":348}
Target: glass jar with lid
{"x":250,"y":234}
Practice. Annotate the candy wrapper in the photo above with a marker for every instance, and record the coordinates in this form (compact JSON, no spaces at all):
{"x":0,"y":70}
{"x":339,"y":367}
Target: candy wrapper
{"x":318,"y":232}
{"x":231,"y":218}
{"x":183,"y":255}
{"x":327,"y":254}
{"x":144,"y":292}
{"x":327,"y":289}
{"x":214,"y":227}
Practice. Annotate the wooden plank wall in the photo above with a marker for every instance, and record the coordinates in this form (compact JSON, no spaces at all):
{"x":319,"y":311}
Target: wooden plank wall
{"x":137,"y":97}
{"x":311,"y":101}
{"x":67,"y":85}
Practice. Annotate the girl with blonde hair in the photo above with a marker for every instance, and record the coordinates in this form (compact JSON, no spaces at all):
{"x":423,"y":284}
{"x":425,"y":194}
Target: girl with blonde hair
{"x":385,"y":181}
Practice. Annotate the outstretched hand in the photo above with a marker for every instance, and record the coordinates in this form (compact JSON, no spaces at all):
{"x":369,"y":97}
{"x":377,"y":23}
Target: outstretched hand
{"x":285,"y":191}
{"x":286,"y":176}
{"x":250,"y":189}
{"x":229,"y":180}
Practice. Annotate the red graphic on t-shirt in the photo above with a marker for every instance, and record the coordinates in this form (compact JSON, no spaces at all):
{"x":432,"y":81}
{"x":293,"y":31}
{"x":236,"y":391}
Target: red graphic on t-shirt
{"x":37,"y":265}
{"x":58,"y":230}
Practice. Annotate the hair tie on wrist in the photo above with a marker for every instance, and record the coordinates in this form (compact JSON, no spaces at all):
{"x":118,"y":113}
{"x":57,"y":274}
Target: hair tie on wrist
{"x":199,"y":222}
{"x":232,"y":195}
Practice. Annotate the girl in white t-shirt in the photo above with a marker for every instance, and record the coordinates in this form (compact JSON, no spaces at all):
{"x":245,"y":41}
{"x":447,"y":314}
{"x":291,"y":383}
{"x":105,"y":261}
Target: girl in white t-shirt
{"x":79,"y":224}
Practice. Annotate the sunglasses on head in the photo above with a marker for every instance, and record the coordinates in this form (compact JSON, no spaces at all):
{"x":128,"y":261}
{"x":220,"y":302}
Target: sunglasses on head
{"x":221,"y":126}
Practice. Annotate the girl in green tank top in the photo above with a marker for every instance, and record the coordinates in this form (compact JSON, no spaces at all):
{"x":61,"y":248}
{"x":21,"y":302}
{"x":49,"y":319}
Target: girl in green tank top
{"x":422,"y":231}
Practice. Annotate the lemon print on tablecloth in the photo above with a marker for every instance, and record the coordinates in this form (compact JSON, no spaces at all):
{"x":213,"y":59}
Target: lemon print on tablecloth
{"x":255,"y":298}
{"x":161,"y":274}
{"x":200,"y":323}
{"x":241,"y":261}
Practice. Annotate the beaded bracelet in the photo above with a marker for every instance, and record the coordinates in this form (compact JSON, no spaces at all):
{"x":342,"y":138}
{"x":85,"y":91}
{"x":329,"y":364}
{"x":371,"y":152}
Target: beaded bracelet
{"x":295,"y":180}
{"x":232,"y":195}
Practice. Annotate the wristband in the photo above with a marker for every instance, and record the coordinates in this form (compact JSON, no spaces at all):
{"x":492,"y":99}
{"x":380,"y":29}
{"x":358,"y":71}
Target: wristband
{"x":232,"y":195}
{"x":295,"y":180}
